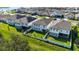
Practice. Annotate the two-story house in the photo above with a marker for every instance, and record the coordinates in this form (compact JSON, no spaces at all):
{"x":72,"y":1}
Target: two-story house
{"x":60,"y":28}
{"x":41,"y":24}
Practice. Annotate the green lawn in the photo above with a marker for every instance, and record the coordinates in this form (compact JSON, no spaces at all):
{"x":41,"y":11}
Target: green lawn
{"x":5,"y":30}
{"x":36,"y":34}
{"x":78,"y":32}
{"x":35,"y":45}
{"x":7,"y":27}
{"x":76,"y":48}
{"x":59,"y":40}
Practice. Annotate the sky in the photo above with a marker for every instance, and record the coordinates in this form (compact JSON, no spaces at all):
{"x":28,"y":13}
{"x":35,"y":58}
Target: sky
{"x":32,"y":3}
{"x":37,"y":3}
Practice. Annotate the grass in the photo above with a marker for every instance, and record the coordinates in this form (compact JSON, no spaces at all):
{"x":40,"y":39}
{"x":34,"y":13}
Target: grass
{"x":35,"y":45}
{"x":36,"y":34}
{"x":7,"y":30}
{"x":76,"y":47}
{"x":7,"y":27}
{"x":59,"y":40}
{"x":78,"y":31}
{"x":73,"y":22}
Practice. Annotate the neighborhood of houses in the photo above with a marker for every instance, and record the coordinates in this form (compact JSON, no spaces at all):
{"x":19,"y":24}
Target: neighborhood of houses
{"x":56,"y":28}
{"x":53,"y":21}
{"x":49,"y":11}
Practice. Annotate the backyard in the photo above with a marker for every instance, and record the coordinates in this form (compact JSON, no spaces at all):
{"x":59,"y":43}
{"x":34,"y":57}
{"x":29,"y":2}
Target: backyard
{"x":36,"y":34}
{"x":78,"y":32}
{"x":41,"y":35}
{"x":34,"y":45}
{"x":59,"y":40}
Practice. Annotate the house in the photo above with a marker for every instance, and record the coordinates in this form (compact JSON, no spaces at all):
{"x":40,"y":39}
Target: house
{"x":69,"y":15}
{"x":57,"y":14}
{"x":15,"y":19}
{"x":77,"y":16}
{"x":41,"y":24}
{"x":4,"y":16}
{"x":60,"y":28}
{"x":25,"y":21}
{"x":11,"y":19}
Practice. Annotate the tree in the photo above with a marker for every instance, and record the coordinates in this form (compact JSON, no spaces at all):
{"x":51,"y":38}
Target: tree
{"x":17,"y":43}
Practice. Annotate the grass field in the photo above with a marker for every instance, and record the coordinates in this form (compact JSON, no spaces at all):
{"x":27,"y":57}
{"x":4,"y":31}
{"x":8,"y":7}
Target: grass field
{"x":5,"y":30}
{"x":35,"y":45}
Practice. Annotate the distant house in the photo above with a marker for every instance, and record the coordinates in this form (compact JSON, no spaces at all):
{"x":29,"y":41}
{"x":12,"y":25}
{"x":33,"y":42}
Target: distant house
{"x":60,"y":28}
{"x":41,"y":24}
{"x":69,"y":15}
{"x":57,"y":14}
{"x":11,"y":19}
{"x":4,"y":16}
{"x":77,"y":16}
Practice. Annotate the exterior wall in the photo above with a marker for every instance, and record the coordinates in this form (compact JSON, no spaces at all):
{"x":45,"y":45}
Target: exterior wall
{"x":24,"y":24}
{"x":55,"y":32}
{"x":18,"y":26}
{"x":69,"y":16}
{"x":65,"y":31}
{"x":38,"y":27}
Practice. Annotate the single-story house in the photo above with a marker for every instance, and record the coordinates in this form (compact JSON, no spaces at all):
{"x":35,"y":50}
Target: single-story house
{"x":41,"y":24}
{"x":60,"y":28}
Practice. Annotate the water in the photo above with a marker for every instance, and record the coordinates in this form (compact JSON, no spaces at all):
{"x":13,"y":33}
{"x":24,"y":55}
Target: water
{"x":7,"y":8}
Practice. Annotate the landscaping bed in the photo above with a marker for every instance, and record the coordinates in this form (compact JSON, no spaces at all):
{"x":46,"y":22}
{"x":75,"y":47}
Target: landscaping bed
{"x":59,"y":40}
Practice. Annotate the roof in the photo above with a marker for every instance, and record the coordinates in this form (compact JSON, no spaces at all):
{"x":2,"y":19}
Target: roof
{"x":77,"y":15}
{"x":4,"y":16}
{"x":24,"y":20}
{"x":61,"y":24}
{"x":68,"y":14}
{"x":43,"y":21}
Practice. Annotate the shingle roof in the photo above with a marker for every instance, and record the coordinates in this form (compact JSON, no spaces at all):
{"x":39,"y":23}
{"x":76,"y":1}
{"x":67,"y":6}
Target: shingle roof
{"x":25,"y":20}
{"x":62,"y":24}
{"x":43,"y":21}
{"x":4,"y":16}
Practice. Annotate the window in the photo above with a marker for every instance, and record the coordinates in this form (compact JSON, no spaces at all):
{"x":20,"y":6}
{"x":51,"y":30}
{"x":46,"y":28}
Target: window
{"x":50,"y":28}
{"x":54,"y":29}
{"x":61,"y":30}
{"x":43,"y":26}
{"x":67,"y":31}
